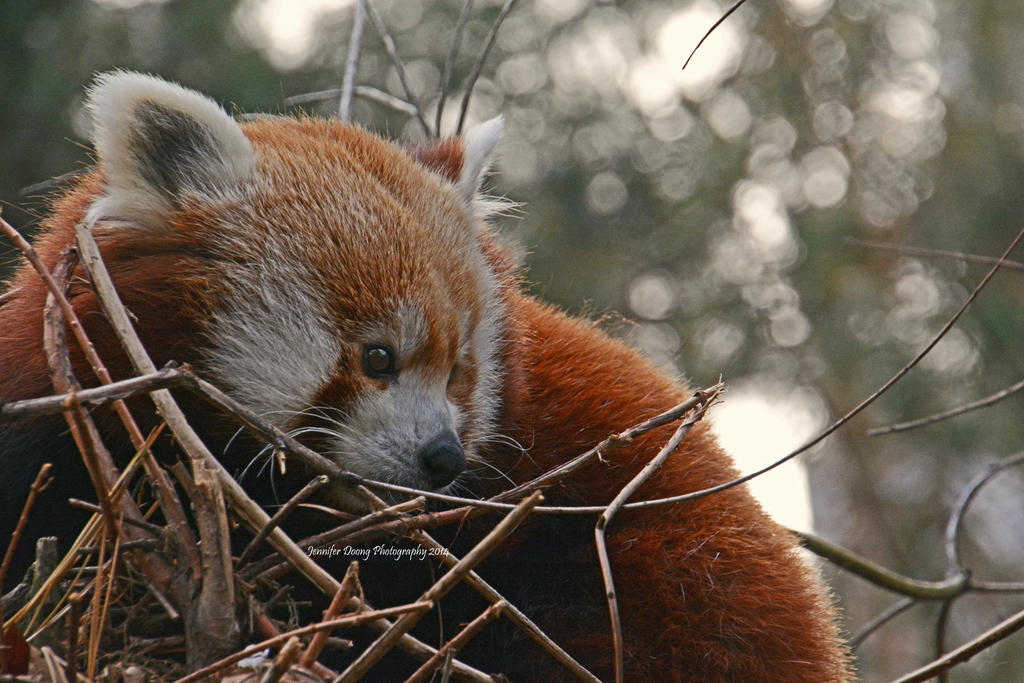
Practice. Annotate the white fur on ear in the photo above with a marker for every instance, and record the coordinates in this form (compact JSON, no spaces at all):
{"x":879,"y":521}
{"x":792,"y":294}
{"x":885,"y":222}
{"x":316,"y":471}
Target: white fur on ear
{"x":478,"y":145}
{"x":157,"y":142}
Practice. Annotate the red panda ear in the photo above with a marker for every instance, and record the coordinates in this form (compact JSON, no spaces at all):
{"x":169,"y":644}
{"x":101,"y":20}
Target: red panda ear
{"x":157,"y":142}
{"x":465,"y":160}
{"x":478,"y":147}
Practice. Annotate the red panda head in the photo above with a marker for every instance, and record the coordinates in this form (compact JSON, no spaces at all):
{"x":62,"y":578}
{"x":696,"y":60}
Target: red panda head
{"x":335,"y":283}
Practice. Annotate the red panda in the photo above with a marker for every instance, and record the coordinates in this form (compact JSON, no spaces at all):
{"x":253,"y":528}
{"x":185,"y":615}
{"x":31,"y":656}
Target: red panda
{"x":351,"y":291}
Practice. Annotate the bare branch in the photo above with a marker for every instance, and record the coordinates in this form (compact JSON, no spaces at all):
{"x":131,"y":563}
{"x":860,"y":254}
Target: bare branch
{"x":308,"y":490}
{"x":1000,"y":631}
{"x":389,"y":46}
{"x":859,"y":407}
{"x":349,"y":585}
{"x":449,"y":64}
{"x":370,"y":93}
{"x":935,"y":253}
{"x":166,"y":378}
{"x":355,"y":41}
{"x":41,"y":481}
{"x":341,"y":622}
{"x":457,"y":643}
{"x":881,"y":620}
{"x":711,"y":30}
{"x":383,"y":644}
{"x":480,"y":62}
{"x":882,"y":577}
{"x":954,"y":525}
{"x":706,"y":400}
{"x":938,"y":417}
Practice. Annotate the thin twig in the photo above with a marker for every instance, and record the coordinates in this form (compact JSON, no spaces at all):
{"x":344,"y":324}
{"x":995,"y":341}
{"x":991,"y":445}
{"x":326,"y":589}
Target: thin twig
{"x":89,"y":445}
{"x":711,"y":30}
{"x":512,"y":613}
{"x":101,"y":606}
{"x":706,"y":400}
{"x":966,"y":408}
{"x":953,"y":526}
{"x":41,"y":481}
{"x":935,"y":253}
{"x":941,"y":623}
{"x":366,"y":91}
{"x":348,"y":586}
{"x":341,"y":622}
{"x":997,"y":586}
{"x":170,"y":376}
{"x":449,"y":64}
{"x":148,"y":544}
{"x":355,"y":42}
{"x":607,"y":446}
{"x":853,"y":412}
{"x":153,"y":529}
{"x":389,"y":46}
{"x":372,"y":654}
{"x":1000,"y":631}
{"x":308,"y":490}
{"x":266,"y":567}
{"x":457,"y":643}
{"x":480,"y":62}
{"x":885,"y":617}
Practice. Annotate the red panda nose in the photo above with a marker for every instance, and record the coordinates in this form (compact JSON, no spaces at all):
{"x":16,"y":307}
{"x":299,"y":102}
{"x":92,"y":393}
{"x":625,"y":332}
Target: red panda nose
{"x":442,"y":459}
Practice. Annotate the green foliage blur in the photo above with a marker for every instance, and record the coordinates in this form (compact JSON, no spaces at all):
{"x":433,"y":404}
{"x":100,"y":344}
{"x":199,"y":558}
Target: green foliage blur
{"x":713,"y":209}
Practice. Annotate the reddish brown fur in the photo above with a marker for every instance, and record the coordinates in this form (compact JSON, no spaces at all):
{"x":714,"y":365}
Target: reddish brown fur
{"x":709,"y":590}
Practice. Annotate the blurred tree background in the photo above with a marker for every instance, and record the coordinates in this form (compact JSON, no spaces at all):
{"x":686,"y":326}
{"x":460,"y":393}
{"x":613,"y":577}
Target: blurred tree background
{"x":713,"y":208}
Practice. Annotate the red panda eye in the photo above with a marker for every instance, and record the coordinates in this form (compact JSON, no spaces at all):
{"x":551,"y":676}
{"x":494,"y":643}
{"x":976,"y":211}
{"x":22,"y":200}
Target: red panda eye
{"x":379,"y":361}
